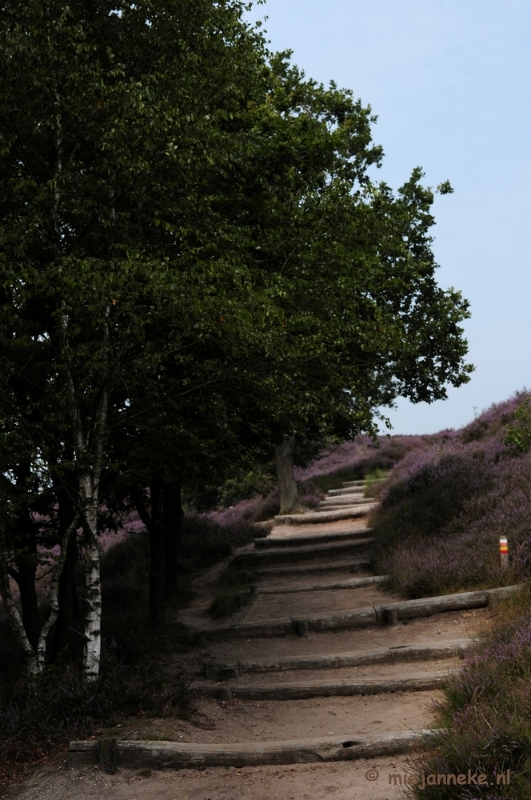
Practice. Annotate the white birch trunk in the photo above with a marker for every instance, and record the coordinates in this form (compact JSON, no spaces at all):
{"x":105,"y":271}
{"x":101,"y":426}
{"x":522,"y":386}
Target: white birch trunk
{"x":30,"y":656}
{"x":35,"y":659}
{"x":88,"y":450}
{"x":89,"y":480}
{"x":92,"y":650}
{"x":53,"y":597}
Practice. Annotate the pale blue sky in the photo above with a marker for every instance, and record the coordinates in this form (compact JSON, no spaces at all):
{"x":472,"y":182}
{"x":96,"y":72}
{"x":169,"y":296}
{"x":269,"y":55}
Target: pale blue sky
{"x":449,"y":81}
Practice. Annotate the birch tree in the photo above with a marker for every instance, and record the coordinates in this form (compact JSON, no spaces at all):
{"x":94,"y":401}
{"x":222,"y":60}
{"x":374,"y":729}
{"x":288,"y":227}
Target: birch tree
{"x":120,"y":125}
{"x":35,"y":654}
{"x":190,"y":244}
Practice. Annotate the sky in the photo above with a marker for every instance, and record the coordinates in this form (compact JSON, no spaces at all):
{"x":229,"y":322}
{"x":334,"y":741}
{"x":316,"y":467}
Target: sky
{"x":449,"y":81}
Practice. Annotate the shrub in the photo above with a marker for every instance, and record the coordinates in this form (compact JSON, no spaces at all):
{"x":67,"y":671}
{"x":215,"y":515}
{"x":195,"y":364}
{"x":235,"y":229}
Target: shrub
{"x":206,"y":540}
{"x":484,"y":717}
{"x":445,"y":506}
{"x":518,"y":433}
{"x":61,"y":707}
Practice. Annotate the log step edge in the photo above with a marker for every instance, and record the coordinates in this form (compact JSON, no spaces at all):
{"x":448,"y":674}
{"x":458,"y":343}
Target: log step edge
{"x":178,"y":755}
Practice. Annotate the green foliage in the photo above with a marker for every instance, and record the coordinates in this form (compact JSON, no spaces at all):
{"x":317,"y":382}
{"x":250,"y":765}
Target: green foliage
{"x":335,"y":480}
{"x":518,"y":433}
{"x":194,"y":262}
{"x":199,"y":205}
{"x":372,"y":479}
{"x":374,"y":476}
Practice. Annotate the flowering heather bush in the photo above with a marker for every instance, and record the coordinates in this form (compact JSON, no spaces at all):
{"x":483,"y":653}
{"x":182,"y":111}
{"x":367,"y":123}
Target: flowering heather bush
{"x":258,"y":508}
{"x":446,"y":505}
{"x":353,"y":460}
{"x":207,"y":540}
{"x":347,"y":461}
{"x":485,"y":717}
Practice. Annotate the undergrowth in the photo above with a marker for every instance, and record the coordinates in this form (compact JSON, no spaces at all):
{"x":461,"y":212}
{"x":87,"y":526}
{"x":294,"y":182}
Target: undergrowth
{"x":61,"y":706}
{"x":136,"y":678}
{"x":485,"y":716}
{"x":446,"y":505}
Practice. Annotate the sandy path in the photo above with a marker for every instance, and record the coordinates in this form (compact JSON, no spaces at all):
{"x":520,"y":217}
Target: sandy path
{"x":367,"y":779}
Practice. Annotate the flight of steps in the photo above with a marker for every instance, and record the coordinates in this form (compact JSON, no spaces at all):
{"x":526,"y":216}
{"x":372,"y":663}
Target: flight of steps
{"x":320,"y":625}
{"x":352,"y":494}
{"x":346,"y":503}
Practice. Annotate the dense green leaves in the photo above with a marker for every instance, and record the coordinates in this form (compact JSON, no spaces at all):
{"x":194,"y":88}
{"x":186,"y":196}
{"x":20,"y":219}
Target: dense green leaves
{"x":194,"y":261}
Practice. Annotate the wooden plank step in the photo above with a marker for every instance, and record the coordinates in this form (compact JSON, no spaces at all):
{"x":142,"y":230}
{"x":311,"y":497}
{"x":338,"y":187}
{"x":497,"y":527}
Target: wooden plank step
{"x":427,"y":606}
{"x":357,"y":618}
{"x":350,"y":583}
{"x":363,"y":617}
{"x":303,"y":540}
{"x":346,"y":490}
{"x":325,"y":516}
{"x":308,"y":552}
{"x":304,"y":690}
{"x":335,"y":507}
{"x":345,"y":500}
{"x":384,"y":655}
{"x":177,"y":755}
{"x":313,"y":569}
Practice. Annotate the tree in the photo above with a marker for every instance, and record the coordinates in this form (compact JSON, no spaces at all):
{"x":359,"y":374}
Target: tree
{"x":118,"y":126}
{"x":363,"y":318}
{"x":194,"y":262}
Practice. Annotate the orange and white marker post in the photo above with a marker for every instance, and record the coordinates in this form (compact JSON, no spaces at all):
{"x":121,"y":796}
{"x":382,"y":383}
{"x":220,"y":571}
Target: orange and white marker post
{"x":504,"y":552}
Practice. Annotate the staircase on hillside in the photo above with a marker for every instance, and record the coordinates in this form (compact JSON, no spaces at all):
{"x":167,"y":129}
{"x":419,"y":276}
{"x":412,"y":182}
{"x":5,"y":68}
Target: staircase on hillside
{"x":321,"y":625}
{"x":352,"y":494}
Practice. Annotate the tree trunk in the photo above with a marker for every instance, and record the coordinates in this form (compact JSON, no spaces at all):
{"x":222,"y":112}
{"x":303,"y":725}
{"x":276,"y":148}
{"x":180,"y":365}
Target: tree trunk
{"x":26,"y":563}
{"x":89,"y":482}
{"x":91,"y":554}
{"x":67,"y":598}
{"x":287,"y":485}
{"x":30,"y":656}
{"x":173,"y":531}
{"x":35,"y":656}
{"x":25,"y":578}
{"x":157,"y":572}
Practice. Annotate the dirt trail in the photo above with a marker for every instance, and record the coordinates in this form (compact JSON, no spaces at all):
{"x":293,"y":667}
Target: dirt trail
{"x":363,"y":709}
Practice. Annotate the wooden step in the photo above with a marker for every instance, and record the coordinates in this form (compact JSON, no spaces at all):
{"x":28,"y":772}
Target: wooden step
{"x":313,"y":569}
{"x":362,"y":617}
{"x":384,"y":655}
{"x":304,"y":690}
{"x":345,"y":500}
{"x":326,"y":516}
{"x":350,"y":583}
{"x":177,"y":755}
{"x":282,"y":554}
{"x":301,"y":540}
{"x":345,"y":490}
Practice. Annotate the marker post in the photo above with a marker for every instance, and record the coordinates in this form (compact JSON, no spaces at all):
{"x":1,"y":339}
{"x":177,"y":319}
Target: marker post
{"x":504,"y":552}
